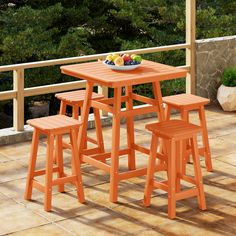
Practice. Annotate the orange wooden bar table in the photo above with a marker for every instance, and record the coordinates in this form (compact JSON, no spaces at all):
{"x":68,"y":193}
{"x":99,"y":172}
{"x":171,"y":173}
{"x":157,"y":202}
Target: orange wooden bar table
{"x":97,"y":72}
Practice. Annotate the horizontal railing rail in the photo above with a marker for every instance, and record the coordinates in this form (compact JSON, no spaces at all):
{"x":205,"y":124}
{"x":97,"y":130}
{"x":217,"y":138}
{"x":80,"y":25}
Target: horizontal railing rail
{"x":19,"y":92}
{"x":62,"y":61}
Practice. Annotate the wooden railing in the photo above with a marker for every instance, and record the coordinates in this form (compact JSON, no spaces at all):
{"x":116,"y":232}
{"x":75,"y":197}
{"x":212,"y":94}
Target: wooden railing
{"x":19,"y":92}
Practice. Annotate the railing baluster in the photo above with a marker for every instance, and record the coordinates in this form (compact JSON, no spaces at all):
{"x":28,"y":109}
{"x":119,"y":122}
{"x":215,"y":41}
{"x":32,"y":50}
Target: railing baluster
{"x":190,"y":39}
{"x":18,"y":102}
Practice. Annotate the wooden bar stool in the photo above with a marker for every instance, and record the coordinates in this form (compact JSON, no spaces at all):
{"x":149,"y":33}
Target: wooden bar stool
{"x":186,"y":103}
{"x":75,"y":99}
{"x":54,"y":127}
{"x":174,"y":132}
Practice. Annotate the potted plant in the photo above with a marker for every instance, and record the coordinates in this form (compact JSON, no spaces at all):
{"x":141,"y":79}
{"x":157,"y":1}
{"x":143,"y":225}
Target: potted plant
{"x":226,"y":93}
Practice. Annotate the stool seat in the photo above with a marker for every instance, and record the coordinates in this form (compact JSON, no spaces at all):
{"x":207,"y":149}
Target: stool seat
{"x":185,"y":100}
{"x":173,"y":128}
{"x":54,"y":123}
{"x":76,"y":97}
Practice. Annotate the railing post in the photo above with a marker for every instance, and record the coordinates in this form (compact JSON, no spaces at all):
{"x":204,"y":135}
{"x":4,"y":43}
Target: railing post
{"x":190,"y":39}
{"x":103,"y":90}
{"x":18,"y":102}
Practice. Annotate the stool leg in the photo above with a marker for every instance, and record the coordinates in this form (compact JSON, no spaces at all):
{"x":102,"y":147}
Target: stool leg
{"x":98,"y":125}
{"x":59,"y":156}
{"x":61,"y":112}
{"x":167,"y":112}
{"x":32,"y":164}
{"x":62,"y":108}
{"x":76,"y":166}
{"x":76,"y":116}
{"x":49,"y":174}
{"x":186,"y":157}
{"x":171,"y":148}
{"x":198,"y":174}
{"x":75,"y":112}
{"x":130,"y":129}
{"x":150,"y":171}
{"x":178,"y":152}
{"x":205,"y":139}
{"x":181,"y":160}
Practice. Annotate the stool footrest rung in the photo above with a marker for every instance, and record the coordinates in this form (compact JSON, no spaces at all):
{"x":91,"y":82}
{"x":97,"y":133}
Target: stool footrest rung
{"x":138,"y":172}
{"x":66,"y":145}
{"x":102,"y":156}
{"x":91,"y":151}
{"x":186,"y":194}
{"x":163,"y":185}
{"x":43,"y":172}
{"x":188,"y":179}
{"x":132,"y":173}
{"x":92,"y":161}
{"x":91,"y":140}
{"x":38,"y":186}
{"x":147,"y":151}
{"x":63,"y":180}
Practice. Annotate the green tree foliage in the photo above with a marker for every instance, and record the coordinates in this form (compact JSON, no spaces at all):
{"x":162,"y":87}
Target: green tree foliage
{"x":42,"y":29}
{"x":216,"y":18}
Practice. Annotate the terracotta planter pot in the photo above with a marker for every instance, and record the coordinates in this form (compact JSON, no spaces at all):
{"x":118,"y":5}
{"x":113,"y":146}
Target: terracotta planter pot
{"x":227,"y":97}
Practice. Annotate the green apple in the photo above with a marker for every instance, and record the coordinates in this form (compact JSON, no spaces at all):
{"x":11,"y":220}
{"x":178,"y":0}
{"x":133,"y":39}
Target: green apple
{"x":137,"y":58}
{"x":133,"y":55}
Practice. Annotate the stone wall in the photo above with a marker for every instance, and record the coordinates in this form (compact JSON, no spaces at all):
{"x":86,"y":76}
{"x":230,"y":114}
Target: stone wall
{"x":212,"y":57}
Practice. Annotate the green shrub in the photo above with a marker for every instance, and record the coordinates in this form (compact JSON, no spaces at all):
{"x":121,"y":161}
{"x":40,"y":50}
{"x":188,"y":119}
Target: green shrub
{"x":229,"y":77}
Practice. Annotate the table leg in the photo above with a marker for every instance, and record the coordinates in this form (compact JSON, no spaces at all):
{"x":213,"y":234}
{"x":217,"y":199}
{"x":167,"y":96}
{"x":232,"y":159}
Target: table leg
{"x":130,"y":129}
{"x":207,"y":152}
{"x":160,"y":112}
{"x":158,"y":96}
{"x":84,"y":117}
{"x":115,"y":146}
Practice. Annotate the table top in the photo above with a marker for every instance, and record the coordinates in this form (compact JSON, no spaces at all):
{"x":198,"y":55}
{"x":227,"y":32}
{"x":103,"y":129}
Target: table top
{"x":147,"y":72}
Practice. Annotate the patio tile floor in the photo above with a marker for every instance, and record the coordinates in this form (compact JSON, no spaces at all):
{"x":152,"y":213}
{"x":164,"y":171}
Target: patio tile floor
{"x":127,"y":217}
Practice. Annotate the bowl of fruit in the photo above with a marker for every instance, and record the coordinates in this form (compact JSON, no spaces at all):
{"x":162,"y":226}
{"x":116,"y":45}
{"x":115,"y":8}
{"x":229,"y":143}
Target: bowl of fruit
{"x":123,"y":61}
